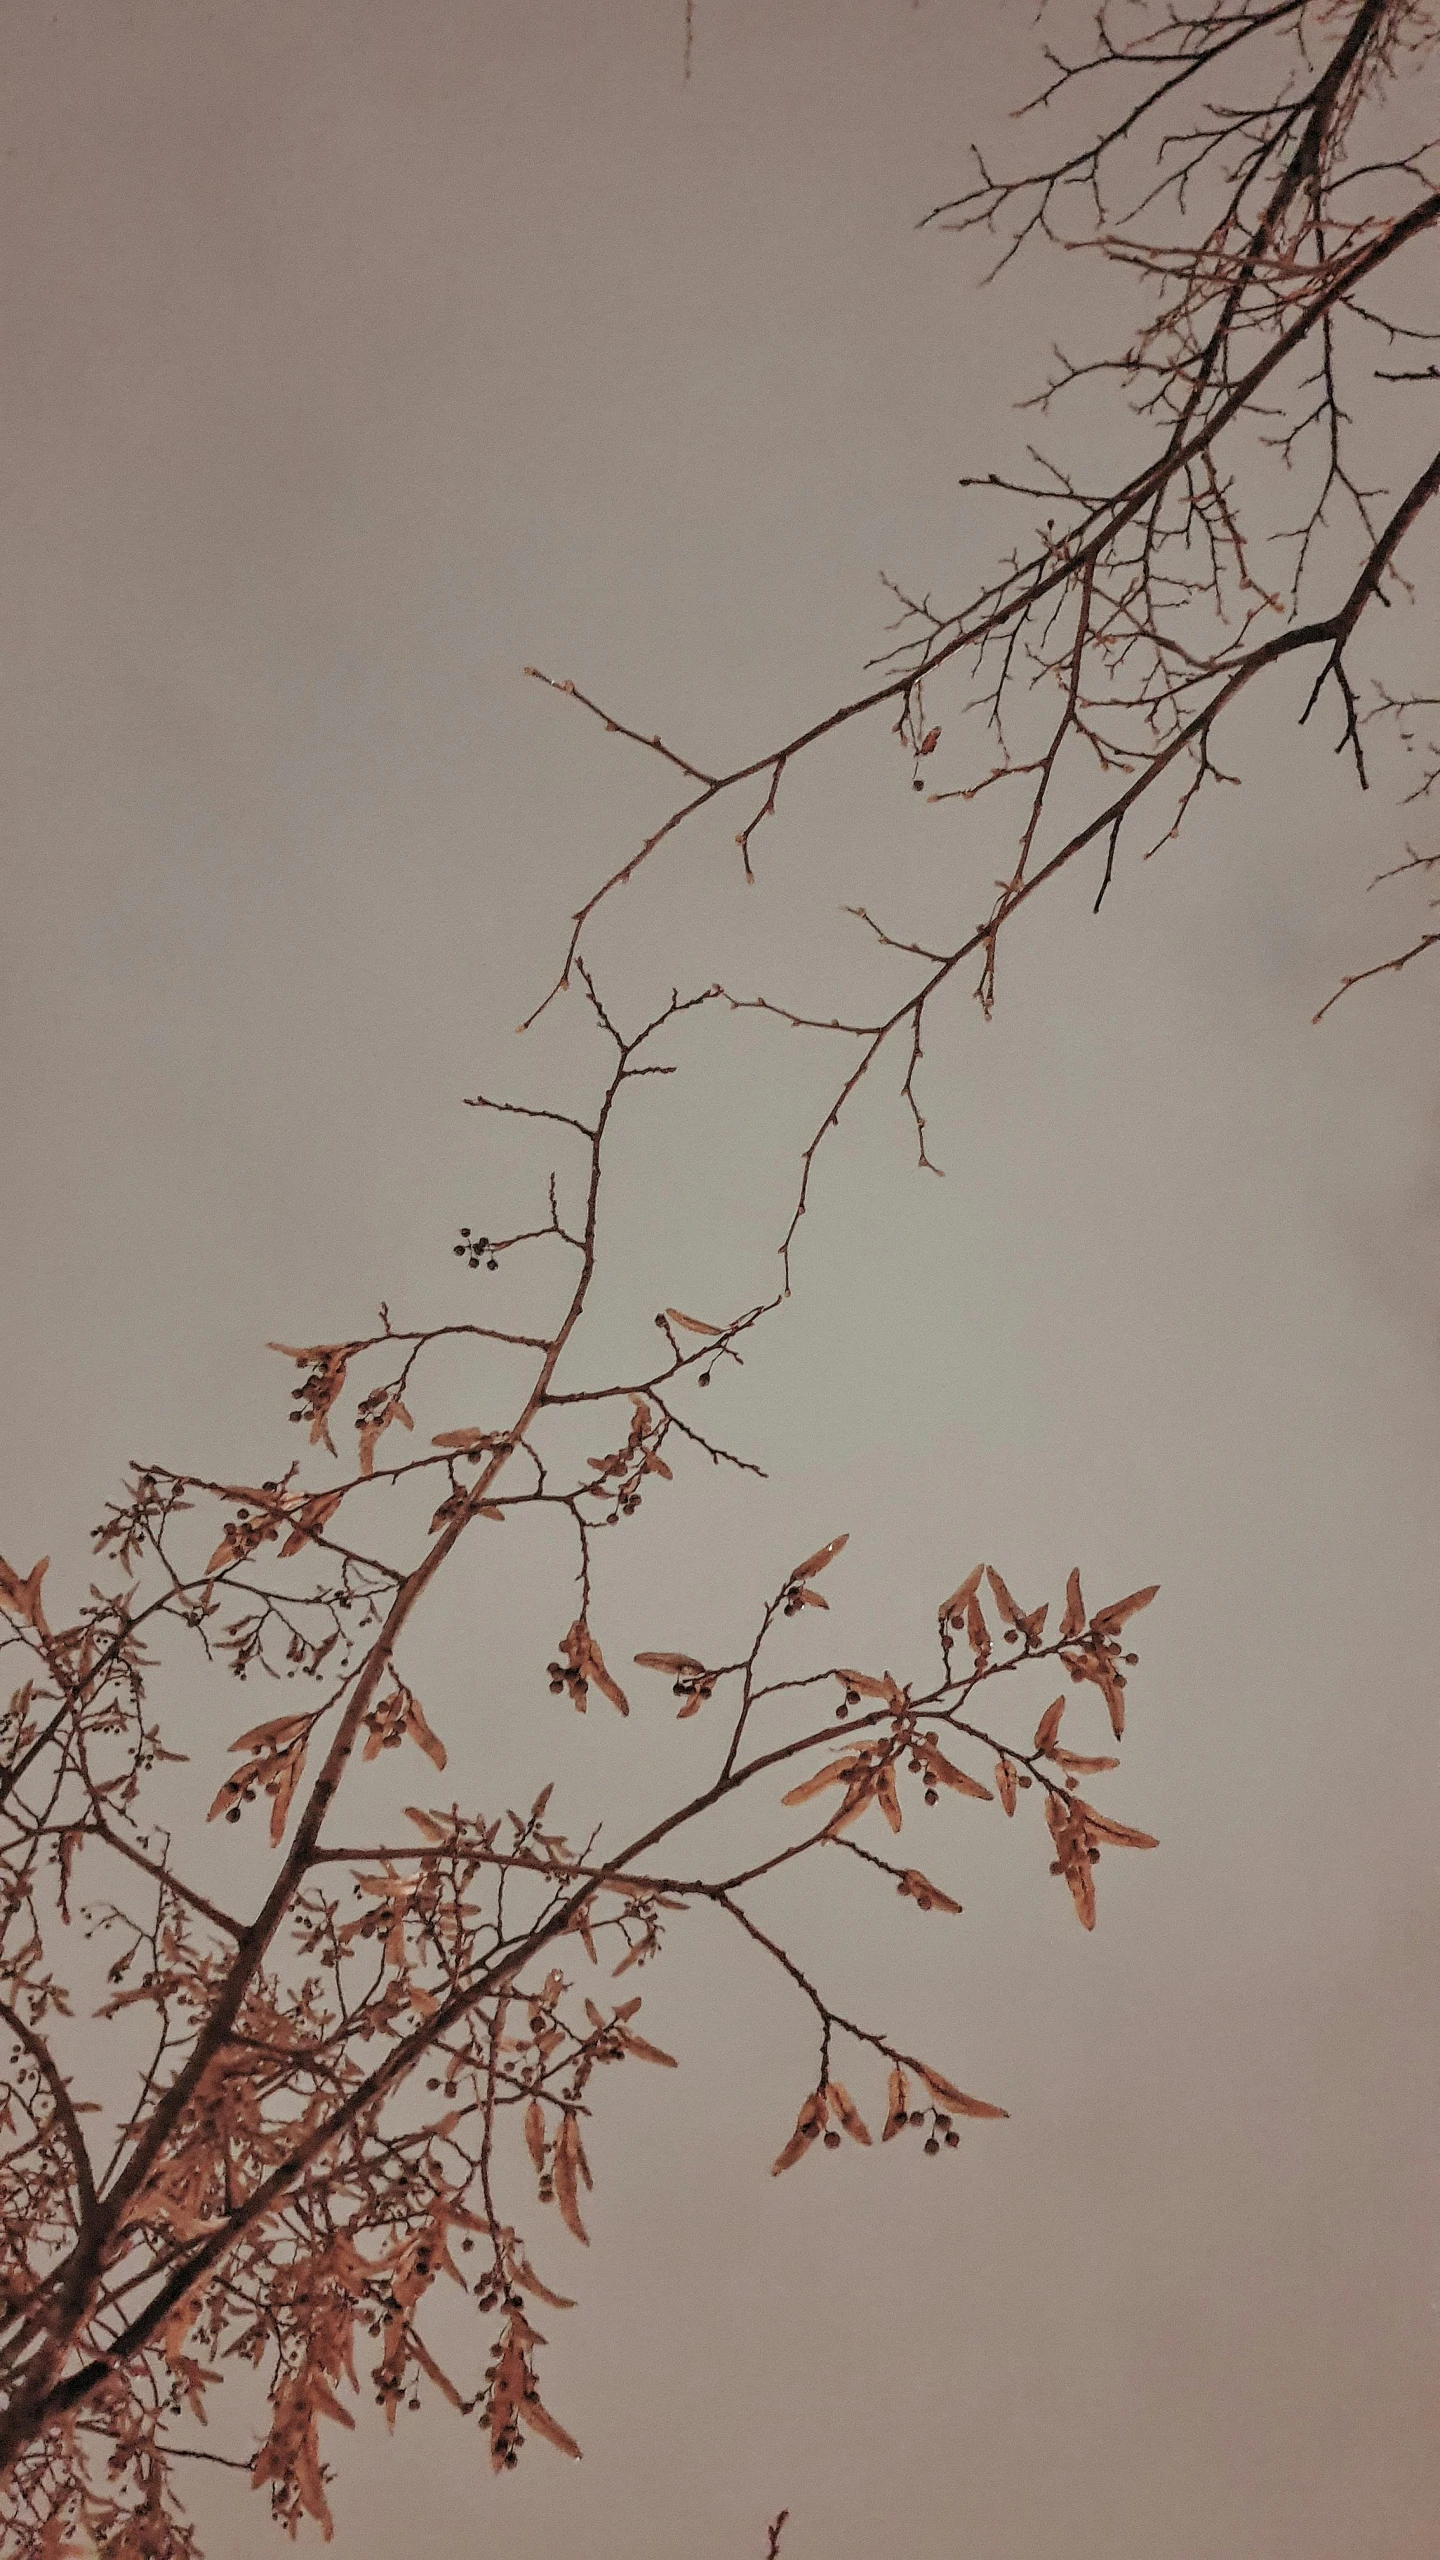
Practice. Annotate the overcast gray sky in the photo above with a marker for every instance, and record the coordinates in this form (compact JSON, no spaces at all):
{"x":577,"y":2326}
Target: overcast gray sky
{"x":356,"y":356}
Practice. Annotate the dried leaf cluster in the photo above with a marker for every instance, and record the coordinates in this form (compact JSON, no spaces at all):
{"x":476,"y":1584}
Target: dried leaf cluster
{"x":329,"y":2105}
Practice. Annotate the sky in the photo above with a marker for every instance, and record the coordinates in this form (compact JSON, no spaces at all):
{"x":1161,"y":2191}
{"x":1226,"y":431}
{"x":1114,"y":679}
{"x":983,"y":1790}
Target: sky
{"x":357,"y":357}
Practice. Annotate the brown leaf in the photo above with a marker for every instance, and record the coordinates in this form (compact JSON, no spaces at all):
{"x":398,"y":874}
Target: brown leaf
{"x":977,"y":1634}
{"x":952,"y":1611}
{"x":1108,"y":1622}
{"x":835,"y":1773}
{"x":282,"y":1788}
{"x":1113,"y":1687}
{"x":419,"y":1731}
{"x":897,"y":2103}
{"x":525,"y":2274}
{"x":859,"y":1793}
{"x":538,"y":2418}
{"x":567,"y":2167}
{"x":1005,"y":1783}
{"x":886,"y":1795}
{"x":928,"y":743}
{"x":1118,"y":1832}
{"x":671,"y":1662}
{"x":809,"y":2122}
{"x":956,"y":2099}
{"x":844,"y":2109}
{"x":644,"y":2052}
{"x":1049,"y":1725}
{"x":1080,"y":1878}
{"x":822,"y":1556}
{"x":310,"y":1519}
{"x":867,"y":1687}
{"x":1073,"y":1622}
{"x":608,"y":1688}
{"x":928,"y":1895}
{"x":428,"y":2364}
{"x":272,"y":1735}
{"x":535,"y":2134}
{"x":693,"y":1324}
{"x":1003,"y":1602}
{"x":943,"y":1772}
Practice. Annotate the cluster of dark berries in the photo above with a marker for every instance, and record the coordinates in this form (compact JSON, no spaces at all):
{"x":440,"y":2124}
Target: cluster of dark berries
{"x":794,"y":1599}
{"x":563,"y":1676}
{"x":916,"y":1768}
{"x":315,"y":1391}
{"x":942,"y":2130}
{"x":850,"y":1699}
{"x":696,"y":1684}
{"x":1110,"y":1645}
{"x":475,"y":1249}
{"x":239,"y":1796}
